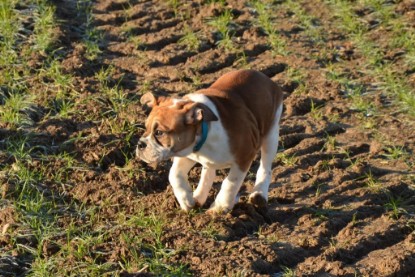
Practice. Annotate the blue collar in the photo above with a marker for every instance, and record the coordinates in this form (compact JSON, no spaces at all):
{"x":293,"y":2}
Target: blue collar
{"x":205,"y":129}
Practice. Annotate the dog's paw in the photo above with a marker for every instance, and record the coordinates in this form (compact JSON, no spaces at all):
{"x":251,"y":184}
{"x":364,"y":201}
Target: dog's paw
{"x":217,"y":209}
{"x":257,"y":199}
{"x":197,"y":205}
{"x":186,"y":203}
{"x":216,"y":212}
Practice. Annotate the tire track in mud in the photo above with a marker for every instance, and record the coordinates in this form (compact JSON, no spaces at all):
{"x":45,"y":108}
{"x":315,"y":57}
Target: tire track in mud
{"x":322,"y":217}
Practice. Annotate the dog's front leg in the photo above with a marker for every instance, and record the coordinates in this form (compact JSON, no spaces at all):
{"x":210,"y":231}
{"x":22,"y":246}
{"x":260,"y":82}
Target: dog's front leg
{"x":179,"y":181}
{"x":226,"y":198}
{"x":205,"y":184}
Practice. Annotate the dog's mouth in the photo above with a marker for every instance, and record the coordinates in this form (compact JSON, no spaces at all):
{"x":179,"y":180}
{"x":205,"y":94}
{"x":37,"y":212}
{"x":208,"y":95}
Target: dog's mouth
{"x":152,"y":155}
{"x":151,"y":163}
{"x":142,"y":155}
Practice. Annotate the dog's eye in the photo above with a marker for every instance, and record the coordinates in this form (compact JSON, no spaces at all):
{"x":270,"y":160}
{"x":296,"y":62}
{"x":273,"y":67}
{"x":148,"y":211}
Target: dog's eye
{"x":158,"y":133}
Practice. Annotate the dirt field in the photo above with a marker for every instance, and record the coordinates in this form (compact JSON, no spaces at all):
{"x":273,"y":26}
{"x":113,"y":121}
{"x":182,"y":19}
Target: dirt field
{"x":76,"y":202}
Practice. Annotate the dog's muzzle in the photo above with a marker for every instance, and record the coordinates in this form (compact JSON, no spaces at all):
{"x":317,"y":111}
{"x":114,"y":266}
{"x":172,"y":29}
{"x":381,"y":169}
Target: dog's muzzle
{"x":141,"y":145}
{"x":150,"y":151}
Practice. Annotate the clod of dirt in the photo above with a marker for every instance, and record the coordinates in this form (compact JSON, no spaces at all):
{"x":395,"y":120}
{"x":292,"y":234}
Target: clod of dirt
{"x":7,"y":216}
{"x":49,"y":248}
{"x":59,"y":130}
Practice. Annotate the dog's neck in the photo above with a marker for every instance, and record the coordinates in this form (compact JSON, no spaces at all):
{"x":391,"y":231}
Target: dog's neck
{"x":204,"y":134}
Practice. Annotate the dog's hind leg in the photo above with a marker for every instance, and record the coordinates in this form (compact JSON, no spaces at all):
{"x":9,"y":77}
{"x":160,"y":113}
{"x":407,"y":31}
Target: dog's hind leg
{"x":269,"y":147}
{"x":226,"y":198}
{"x":205,"y":184}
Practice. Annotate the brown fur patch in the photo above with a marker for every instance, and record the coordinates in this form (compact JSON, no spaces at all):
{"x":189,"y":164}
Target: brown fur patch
{"x":170,"y":118}
{"x":247,"y":101}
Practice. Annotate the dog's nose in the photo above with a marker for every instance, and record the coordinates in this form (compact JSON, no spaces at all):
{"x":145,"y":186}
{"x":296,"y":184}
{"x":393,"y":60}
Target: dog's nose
{"x":141,"y":144}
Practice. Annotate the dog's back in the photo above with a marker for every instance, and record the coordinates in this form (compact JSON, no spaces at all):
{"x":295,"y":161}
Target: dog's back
{"x":247,"y":101}
{"x":258,"y":92}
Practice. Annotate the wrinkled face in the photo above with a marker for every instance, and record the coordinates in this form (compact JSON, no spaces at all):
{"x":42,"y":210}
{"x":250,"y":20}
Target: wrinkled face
{"x":169,"y":131}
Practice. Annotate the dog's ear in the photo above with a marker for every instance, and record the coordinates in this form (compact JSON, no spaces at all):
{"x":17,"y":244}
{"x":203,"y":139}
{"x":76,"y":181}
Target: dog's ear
{"x":148,"y":101}
{"x":199,"y":112}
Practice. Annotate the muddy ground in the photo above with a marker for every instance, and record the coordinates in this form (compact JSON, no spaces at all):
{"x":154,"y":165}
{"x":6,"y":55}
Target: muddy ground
{"x":324,"y":217}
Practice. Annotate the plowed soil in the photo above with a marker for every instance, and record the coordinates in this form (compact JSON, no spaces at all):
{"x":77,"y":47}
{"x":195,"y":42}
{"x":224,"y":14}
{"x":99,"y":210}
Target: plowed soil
{"x":324,"y":216}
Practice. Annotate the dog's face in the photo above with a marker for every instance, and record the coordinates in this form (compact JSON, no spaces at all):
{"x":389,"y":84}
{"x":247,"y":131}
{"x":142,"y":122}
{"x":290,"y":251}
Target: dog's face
{"x":171,"y":128}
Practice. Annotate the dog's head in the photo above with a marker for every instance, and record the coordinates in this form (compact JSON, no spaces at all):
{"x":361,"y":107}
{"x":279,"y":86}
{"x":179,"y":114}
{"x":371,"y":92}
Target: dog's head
{"x":172,"y":127}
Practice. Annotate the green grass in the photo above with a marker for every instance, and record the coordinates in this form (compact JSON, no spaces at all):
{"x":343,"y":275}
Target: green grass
{"x":397,"y":87}
{"x":36,"y":207}
{"x":31,"y":173}
{"x":373,"y":184}
{"x":128,"y":10}
{"x":19,"y":147}
{"x":9,"y":25}
{"x":320,"y":187}
{"x":296,"y":75}
{"x":44,"y":27}
{"x":174,"y":4}
{"x":91,"y":36}
{"x":330,"y":144}
{"x":358,"y":101}
{"x":353,"y":161}
{"x":55,"y":73}
{"x":275,"y":40}
{"x":151,"y":244}
{"x":104,"y":76}
{"x":222,"y":25}
{"x":395,"y":152}
{"x":210,"y":231}
{"x":288,"y":272}
{"x":288,"y":160}
{"x":376,"y":66}
{"x":263,"y":18}
{"x":63,"y":108}
{"x":316,"y":112}
{"x":221,"y":2}
{"x":16,"y":109}
{"x":307,"y":22}
{"x":190,"y":39}
{"x":382,"y":10}
{"x":394,"y":207}
{"x":61,"y":93}
{"x":242,"y":61}
{"x":349,"y":23}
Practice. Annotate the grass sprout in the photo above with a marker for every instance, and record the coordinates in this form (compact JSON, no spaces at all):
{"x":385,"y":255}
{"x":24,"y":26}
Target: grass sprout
{"x":190,"y":39}
{"x":286,"y":159}
{"x":44,"y":27}
{"x":394,"y":206}
{"x":222,"y":24}
{"x":9,"y":24}
{"x":276,"y":41}
{"x":16,"y":109}
{"x":316,"y":112}
{"x":395,"y":152}
{"x":19,"y":147}
{"x":373,"y":184}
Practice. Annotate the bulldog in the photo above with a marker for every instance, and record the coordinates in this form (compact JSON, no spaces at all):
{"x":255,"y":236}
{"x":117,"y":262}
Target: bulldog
{"x":223,"y":126}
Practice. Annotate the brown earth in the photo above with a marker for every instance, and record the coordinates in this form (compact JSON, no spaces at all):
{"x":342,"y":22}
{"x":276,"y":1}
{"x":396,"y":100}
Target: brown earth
{"x":322,"y":217}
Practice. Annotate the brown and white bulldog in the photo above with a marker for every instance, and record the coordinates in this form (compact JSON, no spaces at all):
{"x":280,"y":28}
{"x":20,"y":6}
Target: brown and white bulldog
{"x":223,"y":126}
